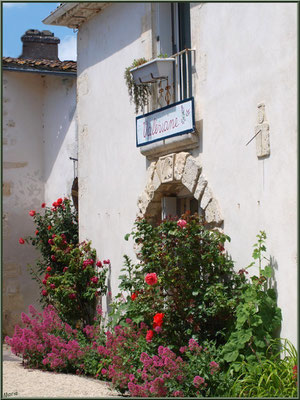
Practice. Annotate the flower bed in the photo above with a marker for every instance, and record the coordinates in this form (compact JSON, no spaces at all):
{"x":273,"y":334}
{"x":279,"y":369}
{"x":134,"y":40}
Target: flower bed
{"x":185,"y":323}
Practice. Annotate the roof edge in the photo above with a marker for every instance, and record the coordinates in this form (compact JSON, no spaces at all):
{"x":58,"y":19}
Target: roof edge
{"x":72,"y":15}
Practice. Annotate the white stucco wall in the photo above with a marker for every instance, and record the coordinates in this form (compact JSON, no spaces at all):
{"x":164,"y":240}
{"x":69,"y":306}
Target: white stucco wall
{"x":39,"y":135}
{"x":60,"y":136}
{"x":245,"y":54}
{"x":111,"y":169}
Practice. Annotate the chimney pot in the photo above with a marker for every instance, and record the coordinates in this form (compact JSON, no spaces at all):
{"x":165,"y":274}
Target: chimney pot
{"x":39,"y":45}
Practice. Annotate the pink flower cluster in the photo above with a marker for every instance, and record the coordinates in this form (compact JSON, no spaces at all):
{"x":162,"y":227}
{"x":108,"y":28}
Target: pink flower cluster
{"x":157,"y":372}
{"x":40,"y":347}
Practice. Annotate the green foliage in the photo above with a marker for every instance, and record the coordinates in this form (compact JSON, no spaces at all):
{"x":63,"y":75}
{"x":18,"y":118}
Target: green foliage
{"x":139,"y":94}
{"x":274,"y":376}
{"x":60,"y":219}
{"x":78,"y":284}
{"x":257,"y":315}
{"x":197,"y":288}
{"x":71,"y":282}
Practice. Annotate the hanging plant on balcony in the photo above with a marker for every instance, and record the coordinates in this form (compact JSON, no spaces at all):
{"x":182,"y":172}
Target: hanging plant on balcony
{"x":139,"y":94}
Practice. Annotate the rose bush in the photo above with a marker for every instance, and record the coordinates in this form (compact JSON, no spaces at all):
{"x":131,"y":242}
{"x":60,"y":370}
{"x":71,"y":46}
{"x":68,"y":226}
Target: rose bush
{"x":184,"y":274}
{"x":69,"y":274}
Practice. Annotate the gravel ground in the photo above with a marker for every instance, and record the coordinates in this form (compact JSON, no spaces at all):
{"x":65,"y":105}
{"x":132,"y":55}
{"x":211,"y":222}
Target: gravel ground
{"x":23,"y":382}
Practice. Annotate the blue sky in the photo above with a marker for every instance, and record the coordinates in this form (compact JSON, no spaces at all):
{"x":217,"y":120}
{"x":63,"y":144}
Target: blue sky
{"x":19,"y":17}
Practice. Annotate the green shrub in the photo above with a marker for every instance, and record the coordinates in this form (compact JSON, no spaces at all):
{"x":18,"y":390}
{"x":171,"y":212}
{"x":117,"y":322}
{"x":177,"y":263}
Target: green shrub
{"x":257,"y":314}
{"x":197,"y":290}
{"x":73,"y":277}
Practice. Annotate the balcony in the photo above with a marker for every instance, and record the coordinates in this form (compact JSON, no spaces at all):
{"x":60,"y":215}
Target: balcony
{"x":170,"y":125}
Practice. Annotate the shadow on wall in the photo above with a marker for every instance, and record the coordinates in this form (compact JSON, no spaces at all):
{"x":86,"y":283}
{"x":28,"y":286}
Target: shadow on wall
{"x":60,"y":137}
{"x":120,"y":32}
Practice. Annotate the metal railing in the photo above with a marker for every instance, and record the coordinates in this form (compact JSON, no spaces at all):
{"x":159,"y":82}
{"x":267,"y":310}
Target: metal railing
{"x":178,"y":86}
{"x":184,"y":60}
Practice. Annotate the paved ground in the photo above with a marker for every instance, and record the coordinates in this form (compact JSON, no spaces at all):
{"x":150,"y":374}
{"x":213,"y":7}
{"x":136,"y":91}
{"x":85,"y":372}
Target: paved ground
{"x":22,"y":382}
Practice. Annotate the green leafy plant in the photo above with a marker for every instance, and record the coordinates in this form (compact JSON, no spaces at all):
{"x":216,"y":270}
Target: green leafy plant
{"x":139,"y":94}
{"x":257,"y":314}
{"x":274,"y":376}
{"x":196,"y":289}
{"x":73,"y":277}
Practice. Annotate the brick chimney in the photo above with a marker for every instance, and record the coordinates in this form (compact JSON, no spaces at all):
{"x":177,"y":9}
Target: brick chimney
{"x":39,"y":45}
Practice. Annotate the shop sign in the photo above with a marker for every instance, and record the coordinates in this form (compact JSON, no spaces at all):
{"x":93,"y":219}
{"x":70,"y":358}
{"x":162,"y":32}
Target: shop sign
{"x":176,"y":119}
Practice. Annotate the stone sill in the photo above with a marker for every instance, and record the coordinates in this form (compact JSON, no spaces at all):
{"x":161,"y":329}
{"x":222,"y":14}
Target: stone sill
{"x":183,"y":142}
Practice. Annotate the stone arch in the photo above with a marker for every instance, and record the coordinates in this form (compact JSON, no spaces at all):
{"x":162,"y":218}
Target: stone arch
{"x":168,"y":175}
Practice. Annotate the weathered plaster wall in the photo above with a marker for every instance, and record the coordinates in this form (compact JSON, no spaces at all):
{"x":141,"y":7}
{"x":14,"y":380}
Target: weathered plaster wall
{"x":23,"y":188}
{"x":60,"y":136}
{"x":111,"y":170}
{"x":246,"y":54}
{"x":39,"y":135}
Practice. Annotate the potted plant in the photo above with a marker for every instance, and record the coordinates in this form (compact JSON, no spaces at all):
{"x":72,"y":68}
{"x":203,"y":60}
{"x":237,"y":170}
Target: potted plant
{"x":153,"y":70}
{"x":138,"y":93}
{"x":141,"y":73}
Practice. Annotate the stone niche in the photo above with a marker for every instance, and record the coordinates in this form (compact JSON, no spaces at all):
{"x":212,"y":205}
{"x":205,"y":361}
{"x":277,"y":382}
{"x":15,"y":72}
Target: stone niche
{"x":171,"y":175}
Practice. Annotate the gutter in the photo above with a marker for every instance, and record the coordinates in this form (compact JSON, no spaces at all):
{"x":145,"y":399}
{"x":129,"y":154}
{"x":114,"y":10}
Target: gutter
{"x":40,"y":71}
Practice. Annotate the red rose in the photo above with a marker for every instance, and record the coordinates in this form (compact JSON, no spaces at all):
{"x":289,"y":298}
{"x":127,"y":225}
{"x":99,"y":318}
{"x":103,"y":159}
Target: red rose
{"x":50,"y":241}
{"x":151,"y":279}
{"x":53,"y":258}
{"x":49,"y":227}
{"x":43,"y":205}
{"x":99,"y":264}
{"x":149,"y":335}
{"x":55,"y":204}
{"x":133,"y":296}
{"x":158,"y":319}
{"x":52,"y":285}
{"x":53,"y":236}
{"x":36,"y":232}
{"x":21,"y":241}
{"x":65,"y":269}
{"x":72,"y":295}
{"x":94,"y":279}
{"x":47,"y":276}
{"x":44,"y":281}
{"x":44,"y":292}
{"x":59,"y":201}
{"x":32,"y":213}
{"x":49,"y":269}
{"x":106,"y":261}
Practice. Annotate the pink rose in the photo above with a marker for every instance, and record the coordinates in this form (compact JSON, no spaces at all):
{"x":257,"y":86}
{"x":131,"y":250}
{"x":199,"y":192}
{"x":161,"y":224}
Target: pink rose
{"x":151,"y":278}
{"x":44,"y":292}
{"x":52,"y":286}
{"x":181,"y":223}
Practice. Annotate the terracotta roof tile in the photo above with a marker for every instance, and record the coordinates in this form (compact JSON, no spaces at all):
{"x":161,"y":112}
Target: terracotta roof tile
{"x":49,"y":65}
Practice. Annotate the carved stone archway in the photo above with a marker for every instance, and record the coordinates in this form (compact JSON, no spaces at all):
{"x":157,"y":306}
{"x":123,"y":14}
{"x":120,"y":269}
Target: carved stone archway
{"x":167,"y":176}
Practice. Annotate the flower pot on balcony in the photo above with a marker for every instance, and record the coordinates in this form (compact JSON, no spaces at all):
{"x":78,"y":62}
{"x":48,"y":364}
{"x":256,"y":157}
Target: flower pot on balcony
{"x":153,"y":70}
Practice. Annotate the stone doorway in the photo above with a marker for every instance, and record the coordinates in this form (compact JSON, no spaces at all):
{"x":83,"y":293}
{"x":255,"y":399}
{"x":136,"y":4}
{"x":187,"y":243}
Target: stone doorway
{"x":180,"y":176}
